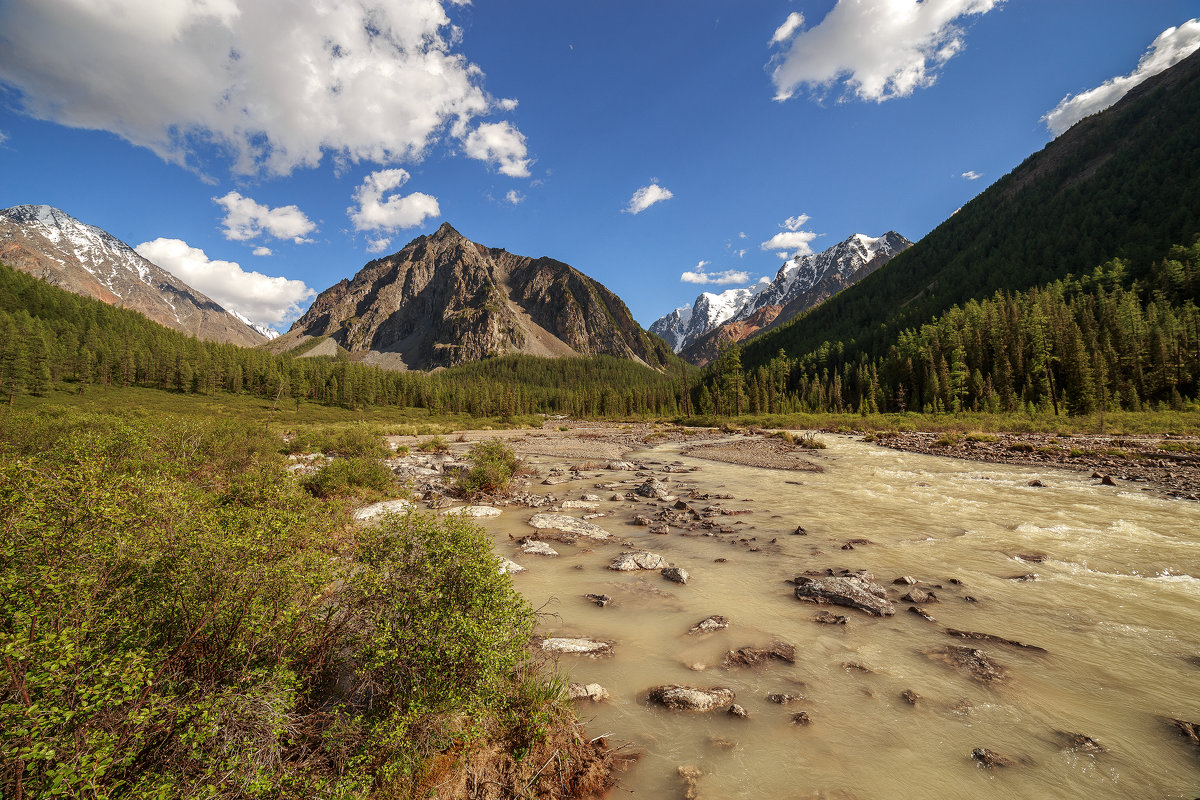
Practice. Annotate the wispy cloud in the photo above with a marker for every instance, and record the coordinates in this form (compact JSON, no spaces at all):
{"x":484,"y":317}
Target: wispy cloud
{"x":792,"y":239}
{"x":722,"y":278}
{"x":1168,"y":49}
{"x":879,"y":49}
{"x":514,"y":197}
{"x":647,"y":196}
{"x":262,"y":252}
{"x":788,"y":29}
{"x":972,"y":175}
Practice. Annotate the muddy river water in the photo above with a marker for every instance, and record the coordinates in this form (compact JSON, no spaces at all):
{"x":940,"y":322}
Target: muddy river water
{"x":1114,"y":601}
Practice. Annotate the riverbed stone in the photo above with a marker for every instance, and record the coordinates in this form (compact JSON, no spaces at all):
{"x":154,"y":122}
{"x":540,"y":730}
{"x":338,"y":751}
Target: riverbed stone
{"x":535,"y":547}
{"x":919,"y":596}
{"x":654,"y":489}
{"x":587,"y":691}
{"x":562,"y":645}
{"x":690,"y":775}
{"x":367,"y":513}
{"x":599,"y":599}
{"x":858,"y":591}
{"x":1190,"y":730}
{"x":711,"y":624}
{"x":990,"y":759}
{"x":689,"y":698}
{"x":584,"y":504}
{"x":1079,"y":743}
{"x":757,"y":656}
{"x":472,"y":511}
{"x":973,"y":663}
{"x":987,"y":637}
{"x":910,"y":697}
{"x":675,"y":574}
{"x":508,"y":567}
{"x":636,"y":560}
{"x":570,"y":525}
{"x":736,"y":710}
{"x":826,"y":618}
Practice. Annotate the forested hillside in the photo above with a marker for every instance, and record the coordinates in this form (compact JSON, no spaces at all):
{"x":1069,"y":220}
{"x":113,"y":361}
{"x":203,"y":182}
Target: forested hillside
{"x":1121,"y":184}
{"x":52,"y":338}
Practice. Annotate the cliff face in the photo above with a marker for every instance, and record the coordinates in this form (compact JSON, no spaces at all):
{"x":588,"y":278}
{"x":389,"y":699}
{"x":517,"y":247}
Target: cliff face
{"x":54,"y":246}
{"x":445,"y":300}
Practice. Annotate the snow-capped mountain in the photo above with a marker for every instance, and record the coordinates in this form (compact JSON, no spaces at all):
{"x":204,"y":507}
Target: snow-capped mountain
{"x":52,"y":245}
{"x":801,"y":283}
{"x":270,"y":333}
{"x":687,"y":323}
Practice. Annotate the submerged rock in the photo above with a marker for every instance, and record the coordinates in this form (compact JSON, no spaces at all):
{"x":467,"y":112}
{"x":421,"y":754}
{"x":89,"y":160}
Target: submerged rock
{"x":989,"y":759}
{"x":574,"y":527}
{"x":910,"y":697}
{"x":590,"y":691}
{"x":1190,"y":730}
{"x":577,"y":647}
{"x":853,"y":591}
{"x":641,"y":559}
{"x":783,"y":699}
{"x":599,"y":599}
{"x":920,"y":596}
{"x":826,"y":618}
{"x":987,"y":637}
{"x":709,"y":625}
{"x":675,"y":574}
{"x":584,"y":504}
{"x":922,"y":613}
{"x":757,"y":656}
{"x":1077,"y":742}
{"x":971,"y":662}
{"x":801,"y":718}
{"x":736,"y":710}
{"x":691,"y":777}
{"x":689,"y":698}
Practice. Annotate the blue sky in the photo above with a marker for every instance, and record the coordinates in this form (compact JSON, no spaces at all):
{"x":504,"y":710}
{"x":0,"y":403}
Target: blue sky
{"x":214,"y":131}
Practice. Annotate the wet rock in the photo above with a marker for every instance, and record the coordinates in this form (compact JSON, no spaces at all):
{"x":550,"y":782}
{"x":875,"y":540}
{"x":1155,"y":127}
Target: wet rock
{"x":919,"y":596}
{"x":1028,"y":576}
{"x":535,"y":547}
{"x":689,"y":698}
{"x":661,"y":530}
{"x":599,"y":599}
{"x":590,"y":498}
{"x":971,"y":662}
{"x":641,"y":519}
{"x":904,"y":580}
{"x":910,"y":697}
{"x":508,"y":567}
{"x":1190,"y":730}
{"x":691,"y":779}
{"x":709,"y":625}
{"x":1032,"y":558}
{"x":989,"y":759}
{"x":757,"y":656}
{"x":675,"y":574}
{"x":853,"y":591}
{"x":922,"y":613}
{"x":799,"y":531}
{"x":1077,"y":742}
{"x":584,"y":504}
{"x":783,"y":699}
{"x":969,"y":599}
{"x":590,"y":691}
{"x":852,"y":543}
{"x":801,"y":718}
{"x":987,"y":637}
{"x":653,"y":488}
{"x":1107,"y":480}
{"x":641,"y":559}
{"x":827,"y":618}
{"x":367,"y":513}
{"x":736,"y":710}
{"x":472,"y":511}
{"x":621,"y":465}
{"x":561,"y":645}
{"x":1037,"y":484}
{"x":854,"y":666}
{"x":571,"y":526}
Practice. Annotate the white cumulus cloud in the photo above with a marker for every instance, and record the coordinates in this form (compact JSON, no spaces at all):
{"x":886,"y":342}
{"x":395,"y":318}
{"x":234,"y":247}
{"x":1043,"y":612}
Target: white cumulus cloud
{"x":262,"y":299}
{"x":375,"y":213}
{"x":247,"y":219}
{"x":881,"y":49}
{"x":274,"y":83}
{"x":647,"y":196}
{"x":262,"y":251}
{"x":792,"y":239}
{"x":1168,"y":49}
{"x":501,"y":145}
{"x":788,"y":29}
{"x":379,"y":244}
{"x":699,"y":275}
{"x":514,"y":197}
{"x":972,"y":175}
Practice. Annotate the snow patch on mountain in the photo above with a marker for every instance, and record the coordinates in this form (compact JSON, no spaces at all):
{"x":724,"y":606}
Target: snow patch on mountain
{"x":263,"y":329}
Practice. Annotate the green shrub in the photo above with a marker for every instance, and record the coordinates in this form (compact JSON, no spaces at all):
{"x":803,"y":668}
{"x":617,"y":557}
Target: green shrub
{"x":982,"y":437}
{"x":809,"y":441}
{"x":493,"y":465}
{"x":348,"y":475}
{"x":435,"y":445}
{"x":946,"y":440}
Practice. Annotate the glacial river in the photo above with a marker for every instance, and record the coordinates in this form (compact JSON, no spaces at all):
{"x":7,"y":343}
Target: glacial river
{"x":1115,"y":603}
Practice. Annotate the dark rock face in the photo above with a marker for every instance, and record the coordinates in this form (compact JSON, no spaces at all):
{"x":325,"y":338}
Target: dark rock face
{"x":445,"y":300}
{"x":85,"y":260}
{"x":853,"y":591}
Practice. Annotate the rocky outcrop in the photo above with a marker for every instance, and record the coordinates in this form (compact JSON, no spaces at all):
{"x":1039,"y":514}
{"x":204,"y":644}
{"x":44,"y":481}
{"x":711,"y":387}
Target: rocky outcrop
{"x":445,"y":300}
{"x":857,"y":590}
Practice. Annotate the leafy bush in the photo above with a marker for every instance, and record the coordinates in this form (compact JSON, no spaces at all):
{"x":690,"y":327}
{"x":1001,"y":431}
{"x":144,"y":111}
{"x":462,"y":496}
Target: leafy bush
{"x":946,"y":440}
{"x":809,"y":441}
{"x":347,"y":475}
{"x":164,"y":637}
{"x":493,"y":465}
{"x":434,"y":445}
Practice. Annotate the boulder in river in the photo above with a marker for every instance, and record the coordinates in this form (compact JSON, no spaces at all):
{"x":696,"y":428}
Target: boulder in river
{"x":989,"y":759}
{"x":640,"y":559}
{"x":916,"y":595}
{"x":691,"y":778}
{"x":736,"y":710}
{"x":575,"y":528}
{"x":689,"y":698}
{"x":1190,"y":730}
{"x":535,"y":547}
{"x":910,"y":697}
{"x":584,"y":504}
{"x":653,"y":488}
{"x":508,"y":567}
{"x":1078,"y":743}
{"x":971,"y":662}
{"x":599,"y":599}
{"x":853,"y":591}
{"x":675,"y":574}
{"x":922,"y":613}
{"x":757,"y":656}
{"x":590,"y":691}
{"x":562,"y":645}
{"x":472,"y":511}
{"x":710,"y":625}
{"x":826,"y":618}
